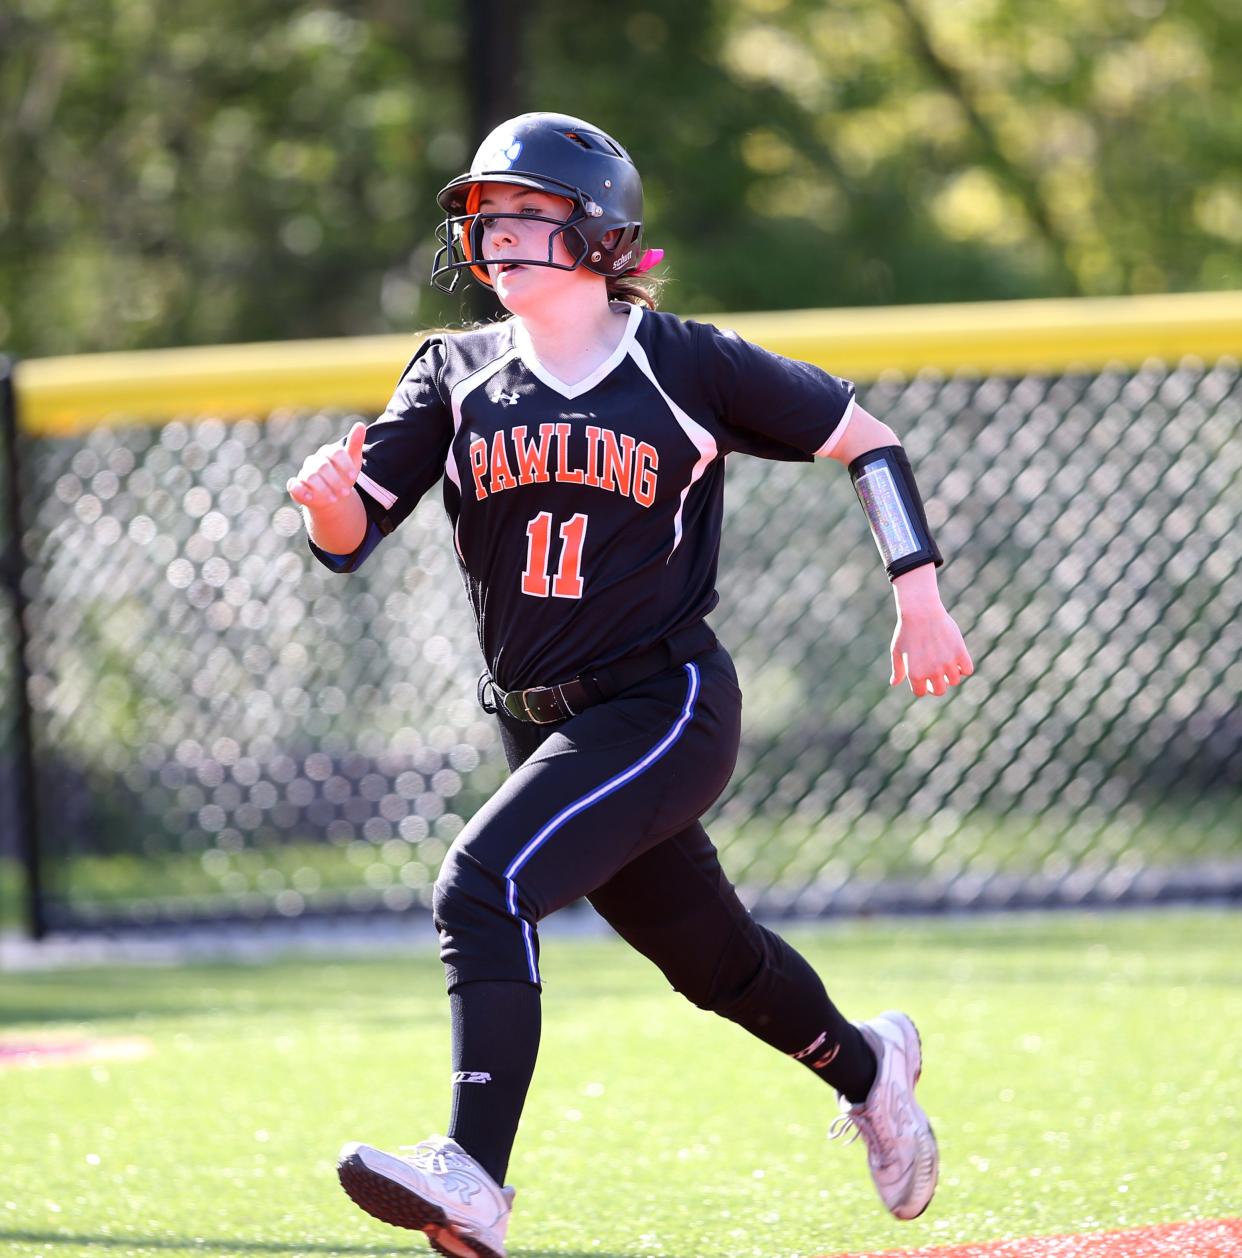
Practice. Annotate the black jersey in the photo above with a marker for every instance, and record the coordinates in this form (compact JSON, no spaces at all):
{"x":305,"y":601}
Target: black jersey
{"x":586,"y":517}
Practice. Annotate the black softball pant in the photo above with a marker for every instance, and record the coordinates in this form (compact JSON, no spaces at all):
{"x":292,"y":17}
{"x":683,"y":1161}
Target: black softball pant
{"x":606,"y":806}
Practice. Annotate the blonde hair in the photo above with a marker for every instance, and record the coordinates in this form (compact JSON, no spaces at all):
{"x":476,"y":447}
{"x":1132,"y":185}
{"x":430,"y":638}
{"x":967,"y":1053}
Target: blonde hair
{"x":644,"y":291}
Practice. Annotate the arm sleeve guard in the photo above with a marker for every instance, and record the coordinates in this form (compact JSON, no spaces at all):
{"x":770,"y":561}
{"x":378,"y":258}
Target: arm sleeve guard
{"x":890,"y":499}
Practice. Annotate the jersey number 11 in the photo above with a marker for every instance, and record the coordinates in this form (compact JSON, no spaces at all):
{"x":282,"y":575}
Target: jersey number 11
{"x":568,"y":580}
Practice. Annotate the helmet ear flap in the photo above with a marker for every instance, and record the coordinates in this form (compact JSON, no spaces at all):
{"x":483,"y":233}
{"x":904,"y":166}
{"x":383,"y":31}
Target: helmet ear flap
{"x":627,"y":244}
{"x":575,"y":243}
{"x":616,"y":252}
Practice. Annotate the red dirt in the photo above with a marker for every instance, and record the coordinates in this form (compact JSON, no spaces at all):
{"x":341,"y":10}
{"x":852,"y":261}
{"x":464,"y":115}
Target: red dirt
{"x":27,"y":1052}
{"x":1208,"y":1238}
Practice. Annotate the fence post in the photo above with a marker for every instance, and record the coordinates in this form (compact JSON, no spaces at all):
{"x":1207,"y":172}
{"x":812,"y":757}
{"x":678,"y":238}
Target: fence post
{"x":12,"y":574}
{"x":497,"y":36}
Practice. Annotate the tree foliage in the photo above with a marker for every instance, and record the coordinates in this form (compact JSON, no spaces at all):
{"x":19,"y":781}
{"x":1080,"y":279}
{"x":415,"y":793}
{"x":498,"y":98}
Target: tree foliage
{"x":214,"y":170}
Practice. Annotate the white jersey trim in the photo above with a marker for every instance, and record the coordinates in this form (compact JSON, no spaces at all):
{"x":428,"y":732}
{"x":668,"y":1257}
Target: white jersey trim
{"x":461,"y":390}
{"x":837,"y":433}
{"x":385,"y":497}
{"x":701,"y":439}
{"x":521,"y":340}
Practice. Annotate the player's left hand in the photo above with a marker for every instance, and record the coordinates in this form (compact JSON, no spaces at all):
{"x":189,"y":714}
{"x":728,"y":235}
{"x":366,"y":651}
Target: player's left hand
{"x":929,"y":650}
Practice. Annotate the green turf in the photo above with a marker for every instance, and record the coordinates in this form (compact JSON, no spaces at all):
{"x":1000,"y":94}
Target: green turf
{"x":1082,"y":1073}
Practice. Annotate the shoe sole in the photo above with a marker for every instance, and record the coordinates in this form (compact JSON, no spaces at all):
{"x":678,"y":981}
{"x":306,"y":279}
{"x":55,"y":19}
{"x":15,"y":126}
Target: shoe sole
{"x":933,"y":1160}
{"x":398,"y":1206}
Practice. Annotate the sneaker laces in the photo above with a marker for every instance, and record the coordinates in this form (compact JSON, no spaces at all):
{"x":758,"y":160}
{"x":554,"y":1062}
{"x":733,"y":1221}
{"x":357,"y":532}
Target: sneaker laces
{"x":427,"y":1156}
{"x":876,"y":1136}
{"x":432,"y":1158}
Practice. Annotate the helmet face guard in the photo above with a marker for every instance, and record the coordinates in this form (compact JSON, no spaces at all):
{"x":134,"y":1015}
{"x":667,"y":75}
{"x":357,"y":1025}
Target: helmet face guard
{"x":564,"y":157}
{"x":461,"y":243}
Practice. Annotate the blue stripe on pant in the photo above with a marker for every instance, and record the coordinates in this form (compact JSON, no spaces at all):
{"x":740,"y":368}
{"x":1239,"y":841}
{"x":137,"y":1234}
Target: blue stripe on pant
{"x":597,"y":791}
{"x":601,"y":792}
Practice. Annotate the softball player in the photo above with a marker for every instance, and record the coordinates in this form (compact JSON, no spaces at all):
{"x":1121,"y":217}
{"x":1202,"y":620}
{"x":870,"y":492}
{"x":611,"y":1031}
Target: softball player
{"x":580,"y":445}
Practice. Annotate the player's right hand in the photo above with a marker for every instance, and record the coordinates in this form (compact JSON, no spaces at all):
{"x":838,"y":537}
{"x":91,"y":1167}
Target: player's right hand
{"x":328,"y":475}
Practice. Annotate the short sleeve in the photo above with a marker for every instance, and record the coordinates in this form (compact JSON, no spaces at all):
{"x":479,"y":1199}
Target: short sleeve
{"x":404,"y":453}
{"x":770,"y":406}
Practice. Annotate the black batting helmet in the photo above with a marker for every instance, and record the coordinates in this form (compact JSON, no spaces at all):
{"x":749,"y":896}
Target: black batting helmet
{"x":568,"y":158}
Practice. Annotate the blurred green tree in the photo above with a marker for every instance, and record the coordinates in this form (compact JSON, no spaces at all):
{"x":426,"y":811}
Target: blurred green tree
{"x":804,"y":153}
{"x":205,"y":172}
{"x":214,"y":170}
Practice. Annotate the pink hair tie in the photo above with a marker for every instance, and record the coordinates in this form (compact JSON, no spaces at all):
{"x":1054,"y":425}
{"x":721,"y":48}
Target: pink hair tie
{"x":653,"y":257}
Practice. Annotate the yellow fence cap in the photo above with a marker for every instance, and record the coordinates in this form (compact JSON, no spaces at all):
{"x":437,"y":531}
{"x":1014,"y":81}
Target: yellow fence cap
{"x":63,"y":395}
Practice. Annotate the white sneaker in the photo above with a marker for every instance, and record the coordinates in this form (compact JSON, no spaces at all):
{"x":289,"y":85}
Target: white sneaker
{"x":435,"y":1187}
{"x":901,"y":1146}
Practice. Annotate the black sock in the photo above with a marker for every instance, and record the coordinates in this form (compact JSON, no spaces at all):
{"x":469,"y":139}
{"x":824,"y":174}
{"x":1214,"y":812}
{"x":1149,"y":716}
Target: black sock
{"x":785,"y":1005}
{"x":841,"y":1057}
{"x":495,"y":1027}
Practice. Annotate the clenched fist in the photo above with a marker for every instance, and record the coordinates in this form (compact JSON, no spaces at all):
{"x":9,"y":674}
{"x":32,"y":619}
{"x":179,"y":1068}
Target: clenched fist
{"x":928,"y":649}
{"x":328,"y":475}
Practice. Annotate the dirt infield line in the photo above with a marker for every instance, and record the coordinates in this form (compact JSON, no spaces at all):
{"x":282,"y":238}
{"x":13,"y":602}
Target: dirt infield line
{"x":31,"y":1052}
{"x":1207,"y":1238}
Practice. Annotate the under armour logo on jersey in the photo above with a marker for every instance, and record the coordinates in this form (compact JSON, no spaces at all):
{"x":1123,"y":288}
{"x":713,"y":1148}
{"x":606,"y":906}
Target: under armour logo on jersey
{"x":471,"y":1076}
{"x":508,"y":398}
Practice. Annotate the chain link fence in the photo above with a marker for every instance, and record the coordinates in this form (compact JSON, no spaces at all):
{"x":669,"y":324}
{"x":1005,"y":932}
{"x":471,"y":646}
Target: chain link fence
{"x":223,"y":729}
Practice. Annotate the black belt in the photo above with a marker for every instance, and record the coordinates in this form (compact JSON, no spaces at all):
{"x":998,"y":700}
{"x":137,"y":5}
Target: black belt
{"x":543,"y":705}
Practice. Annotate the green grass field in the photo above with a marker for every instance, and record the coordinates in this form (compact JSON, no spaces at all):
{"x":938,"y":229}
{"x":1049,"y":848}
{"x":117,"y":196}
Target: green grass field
{"x":1082,"y":1073}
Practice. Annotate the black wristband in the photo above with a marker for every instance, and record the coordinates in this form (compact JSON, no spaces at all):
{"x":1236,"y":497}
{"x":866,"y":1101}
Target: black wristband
{"x":884,"y":483}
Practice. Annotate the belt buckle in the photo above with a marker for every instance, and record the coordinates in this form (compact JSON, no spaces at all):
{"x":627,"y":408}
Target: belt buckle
{"x":562,"y":709}
{"x":530,"y":712}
